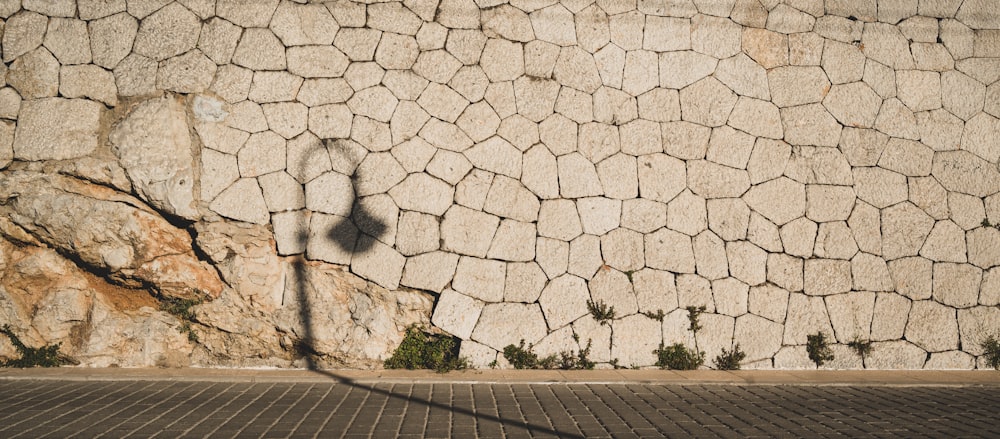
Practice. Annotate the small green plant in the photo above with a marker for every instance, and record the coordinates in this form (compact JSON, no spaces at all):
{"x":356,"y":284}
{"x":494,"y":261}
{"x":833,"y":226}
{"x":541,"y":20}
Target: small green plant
{"x":614,"y":364}
{"x":678,"y":357}
{"x":991,"y":351}
{"x":493,"y":364}
{"x":658,"y":315}
{"x":861,"y":347}
{"x":693,"y":314}
{"x":525,"y":358}
{"x":182,"y":309}
{"x":629,"y":274}
{"x":45,"y":356}
{"x":519,"y":357}
{"x":422,"y":350}
{"x":819,"y":348}
{"x":601,"y":311}
{"x":730,"y":360}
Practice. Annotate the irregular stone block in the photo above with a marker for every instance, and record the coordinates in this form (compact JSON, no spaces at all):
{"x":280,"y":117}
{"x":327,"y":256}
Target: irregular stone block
{"x":827,"y":276}
{"x":693,"y":291}
{"x":564,"y":300}
{"x":502,"y":324}
{"x":957,"y":285}
{"x":912,"y":277}
{"x":764,"y":197}
{"x":22,"y":34}
{"x":932,"y":326}
{"x":895,"y":355}
{"x":68,"y":40}
{"x":729,"y":218}
{"x":168,"y":32}
{"x":614,"y":289}
{"x":731,"y":296}
{"x":975,"y":325}
{"x":669,"y":250}
{"x":468,"y":232}
{"x":632,"y":343}
{"x":654,"y":290}
{"x":56,"y":129}
{"x":758,"y":337}
{"x":525,"y":282}
{"x":429,"y":271}
{"x":904,"y":229}
{"x":457,"y":313}
{"x":695,"y":97}
{"x":806,"y":316}
{"x":35,"y":74}
{"x":889,"y":317}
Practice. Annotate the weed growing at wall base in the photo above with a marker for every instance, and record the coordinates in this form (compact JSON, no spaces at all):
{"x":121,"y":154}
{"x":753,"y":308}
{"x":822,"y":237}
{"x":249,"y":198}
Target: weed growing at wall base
{"x":730,"y":360}
{"x":45,"y":356}
{"x":862,"y":347}
{"x":818,"y":348}
{"x":421,"y":350}
{"x":991,"y":351}
{"x":525,"y":358}
{"x":678,"y":357}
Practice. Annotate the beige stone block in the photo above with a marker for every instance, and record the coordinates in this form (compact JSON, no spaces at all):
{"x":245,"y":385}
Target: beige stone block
{"x":585,"y":256}
{"x":623,"y":249}
{"x":851,"y":315}
{"x":745,"y":77}
{"x":932,"y":326}
{"x":429,"y":271}
{"x":806,"y":316}
{"x":22,"y":34}
{"x":835,"y":241}
{"x":682,"y":68}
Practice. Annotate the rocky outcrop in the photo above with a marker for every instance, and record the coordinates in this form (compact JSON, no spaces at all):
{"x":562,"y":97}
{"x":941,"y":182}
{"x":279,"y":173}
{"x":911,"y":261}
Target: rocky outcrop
{"x":105,"y":231}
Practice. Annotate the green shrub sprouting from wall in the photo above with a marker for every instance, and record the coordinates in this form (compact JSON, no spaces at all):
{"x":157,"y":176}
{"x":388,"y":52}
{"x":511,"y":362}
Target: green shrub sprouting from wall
{"x":678,"y":357}
{"x":525,"y":358}
{"x":819,"y":348}
{"x":422,"y":350}
{"x":991,"y":351}
{"x":45,"y":356}
{"x":730,"y":360}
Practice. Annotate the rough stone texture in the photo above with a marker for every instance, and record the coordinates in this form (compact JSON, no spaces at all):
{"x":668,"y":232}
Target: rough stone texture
{"x":806,"y":316}
{"x":904,"y":229}
{"x":56,"y":129}
{"x":22,"y":34}
{"x":168,"y":32}
{"x":957,"y":285}
{"x":63,"y":212}
{"x":932,"y":326}
{"x":35,"y":74}
{"x":502,"y":324}
{"x":564,"y":300}
{"x":632,"y":342}
{"x":793,"y":166}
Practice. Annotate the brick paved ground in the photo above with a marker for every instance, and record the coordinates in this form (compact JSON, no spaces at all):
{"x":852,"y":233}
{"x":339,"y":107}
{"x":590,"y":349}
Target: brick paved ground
{"x":62,"y":409}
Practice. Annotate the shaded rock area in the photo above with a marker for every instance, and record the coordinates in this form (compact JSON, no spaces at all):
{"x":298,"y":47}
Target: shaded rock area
{"x":288,"y":183}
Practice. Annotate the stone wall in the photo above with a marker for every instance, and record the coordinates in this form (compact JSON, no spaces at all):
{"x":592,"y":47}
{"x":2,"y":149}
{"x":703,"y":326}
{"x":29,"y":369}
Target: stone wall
{"x":320,"y":175}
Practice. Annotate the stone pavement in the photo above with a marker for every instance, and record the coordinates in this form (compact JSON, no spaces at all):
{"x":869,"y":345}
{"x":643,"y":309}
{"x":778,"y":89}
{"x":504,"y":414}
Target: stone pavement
{"x":71,"y":402}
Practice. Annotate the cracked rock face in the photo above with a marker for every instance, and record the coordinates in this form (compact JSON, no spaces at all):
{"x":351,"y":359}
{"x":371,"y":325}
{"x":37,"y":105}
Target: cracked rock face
{"x":320,"y":176}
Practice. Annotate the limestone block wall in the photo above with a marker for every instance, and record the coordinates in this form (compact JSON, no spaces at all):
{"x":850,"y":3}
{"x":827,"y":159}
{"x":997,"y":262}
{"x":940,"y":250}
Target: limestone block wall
{"x":794,"y":166}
